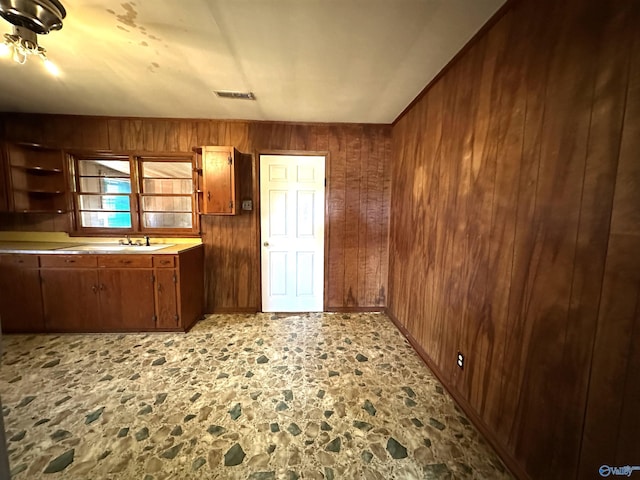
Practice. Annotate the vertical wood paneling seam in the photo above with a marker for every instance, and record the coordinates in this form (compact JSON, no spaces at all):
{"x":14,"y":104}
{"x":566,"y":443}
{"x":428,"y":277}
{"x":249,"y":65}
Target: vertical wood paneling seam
{"x":576,"y":250}
{"x":387,"y":173}
{"x":363,"y":135}
{"x":515,"y":234}
{"x":513,"y":248}
{"x":604,"y":270}
{"x":387,"y":228}
{"x":108,"y":134}
{"x":535,"y":206}
{"x":575,"y":255}
{"x":360,"y":135}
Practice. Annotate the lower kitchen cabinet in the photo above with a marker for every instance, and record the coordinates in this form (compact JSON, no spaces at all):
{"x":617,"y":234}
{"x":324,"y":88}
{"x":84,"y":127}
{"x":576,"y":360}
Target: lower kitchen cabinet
{"x":101,"y":293}
{"x":167,"y":299}
{"x":20,"y":299}
{"x":70,"y":297}
{"x":126,"y":299}
{"x":126,"y":293}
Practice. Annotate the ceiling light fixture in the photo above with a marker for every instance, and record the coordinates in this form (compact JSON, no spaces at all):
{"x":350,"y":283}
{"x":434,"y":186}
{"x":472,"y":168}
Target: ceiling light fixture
{"x":30,"y":18}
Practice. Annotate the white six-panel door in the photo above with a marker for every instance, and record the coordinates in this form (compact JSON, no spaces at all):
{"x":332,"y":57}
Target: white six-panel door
{"x":292,"y":232}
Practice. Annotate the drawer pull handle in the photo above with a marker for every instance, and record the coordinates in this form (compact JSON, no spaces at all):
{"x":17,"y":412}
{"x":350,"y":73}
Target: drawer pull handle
{"x":68,"y":260}
{"x":126,"y":261}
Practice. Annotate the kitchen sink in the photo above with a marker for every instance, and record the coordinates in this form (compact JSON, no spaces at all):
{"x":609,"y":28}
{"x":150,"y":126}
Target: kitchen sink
{"x":114,"y":248}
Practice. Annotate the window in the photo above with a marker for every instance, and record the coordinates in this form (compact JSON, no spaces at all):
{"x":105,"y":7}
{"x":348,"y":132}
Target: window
{"x":128,"y":194}
{"x":167,"y":193}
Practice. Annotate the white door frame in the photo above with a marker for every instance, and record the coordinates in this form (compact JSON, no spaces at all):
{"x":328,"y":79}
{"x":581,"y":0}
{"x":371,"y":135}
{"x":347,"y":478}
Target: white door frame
{"x":327,"y":164}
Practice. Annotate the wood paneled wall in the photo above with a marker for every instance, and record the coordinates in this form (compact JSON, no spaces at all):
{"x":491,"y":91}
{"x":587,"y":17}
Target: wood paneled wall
{"x":515,"y":234}
{"x":357,"y":196}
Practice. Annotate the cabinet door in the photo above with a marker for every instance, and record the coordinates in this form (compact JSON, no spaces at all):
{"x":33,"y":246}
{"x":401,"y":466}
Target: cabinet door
{"x":166,"y":299}
{"x":70,"y":298}
{"x":20,"y":299}
{"x":126,"y":299}
{"x":219,"y":181}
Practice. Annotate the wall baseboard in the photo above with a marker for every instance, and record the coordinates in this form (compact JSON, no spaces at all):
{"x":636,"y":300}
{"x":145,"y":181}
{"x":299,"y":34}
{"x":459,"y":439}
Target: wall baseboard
{"x":510,"y":462}
{"x":232,"y":310}
{"x":355,"y":309}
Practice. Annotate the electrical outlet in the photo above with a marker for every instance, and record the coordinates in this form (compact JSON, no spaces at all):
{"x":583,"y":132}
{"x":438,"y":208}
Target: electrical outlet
{"x":247,"y":205}
{"x":460,"y":360}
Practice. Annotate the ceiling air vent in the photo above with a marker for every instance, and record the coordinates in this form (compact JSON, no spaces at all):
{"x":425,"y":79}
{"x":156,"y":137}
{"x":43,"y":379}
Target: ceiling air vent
{"x":235,"y":95}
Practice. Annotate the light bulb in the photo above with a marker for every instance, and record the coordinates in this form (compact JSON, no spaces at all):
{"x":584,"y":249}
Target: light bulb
{"x":49,"y":65}
{"x":5,"y":50}
{"x":19,"y":56}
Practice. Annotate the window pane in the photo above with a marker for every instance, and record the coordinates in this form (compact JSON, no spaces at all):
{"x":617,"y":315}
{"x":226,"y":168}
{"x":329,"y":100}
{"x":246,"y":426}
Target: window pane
{"x":166,"y":220}
{"x":103,"y":168}
{"x":166,"y":169}
{"x":167,"y":186}
{"x":105,"y":185}
{"x":105,"y":202}
{"x":166,"y":204}
{"x":106,"y":219}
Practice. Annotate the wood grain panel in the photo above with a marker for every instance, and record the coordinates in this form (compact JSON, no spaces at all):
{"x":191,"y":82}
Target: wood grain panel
{"x":357,"y":206}
{"x":336,"y":217}
{"x":95,"y":134}
{"x":611,"y":425}
{"x":386,"y":149}
{"x":555,"y":227}
{"x":501,"y":221}
{"x":474,"y":202}
{"x":506,"y":130}
{"x":478,"y":329}
{"x":352,"y":228}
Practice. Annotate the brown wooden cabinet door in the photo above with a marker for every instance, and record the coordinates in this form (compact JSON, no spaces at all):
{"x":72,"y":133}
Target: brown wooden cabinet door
{"x":70,"y":297}
{"x":126,"y":299}
{"x":20,"y":299}
{"x":219,"y":188}
{"x":166,"y":299}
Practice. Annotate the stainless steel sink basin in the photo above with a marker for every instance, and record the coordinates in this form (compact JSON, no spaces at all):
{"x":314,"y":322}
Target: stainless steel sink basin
{"x":115,"y":248}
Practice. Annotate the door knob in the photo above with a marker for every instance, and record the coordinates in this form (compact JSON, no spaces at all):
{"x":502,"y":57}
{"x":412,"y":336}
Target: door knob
{"x":266,"y":244}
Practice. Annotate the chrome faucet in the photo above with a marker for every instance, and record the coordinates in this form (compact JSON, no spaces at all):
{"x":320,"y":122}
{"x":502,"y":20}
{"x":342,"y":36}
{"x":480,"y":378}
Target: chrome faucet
{"x":126,"y":242}
{"x":138,"y":242}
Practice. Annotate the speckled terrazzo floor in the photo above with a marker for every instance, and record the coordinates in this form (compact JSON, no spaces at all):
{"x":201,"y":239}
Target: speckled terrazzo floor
{"x":239,"y":397}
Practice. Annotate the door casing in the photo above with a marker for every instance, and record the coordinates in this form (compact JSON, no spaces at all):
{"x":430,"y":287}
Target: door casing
{"x":327,"y":170}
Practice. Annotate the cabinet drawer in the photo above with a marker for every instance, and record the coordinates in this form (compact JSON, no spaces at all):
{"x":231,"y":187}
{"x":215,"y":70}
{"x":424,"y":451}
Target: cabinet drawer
{"x":21,"y":260}
{"x":165,"y":261}
{"x":129,"y":261}
{"x":68,"y":261}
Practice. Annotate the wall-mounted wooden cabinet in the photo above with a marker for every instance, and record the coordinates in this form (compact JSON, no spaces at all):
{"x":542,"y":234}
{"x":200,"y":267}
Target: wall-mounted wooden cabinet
{"x":219,"y":189}
{"x":36,"y":179}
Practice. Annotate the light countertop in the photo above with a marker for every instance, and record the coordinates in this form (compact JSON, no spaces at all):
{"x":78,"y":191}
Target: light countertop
{"x":66,"y":248}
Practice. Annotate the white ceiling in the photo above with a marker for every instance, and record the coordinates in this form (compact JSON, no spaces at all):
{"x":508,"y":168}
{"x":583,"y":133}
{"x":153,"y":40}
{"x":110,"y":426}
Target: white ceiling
{"x":360,"y":61}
